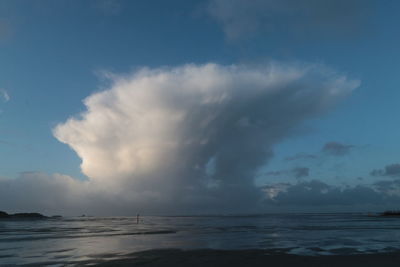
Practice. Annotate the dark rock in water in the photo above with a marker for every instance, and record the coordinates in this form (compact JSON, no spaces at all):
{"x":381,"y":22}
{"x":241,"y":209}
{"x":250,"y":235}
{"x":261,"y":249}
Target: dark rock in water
{"x":22,"y":216}
{"x":28,"y":216}
{"x":4,"y":215}
{"x":391,"y":213}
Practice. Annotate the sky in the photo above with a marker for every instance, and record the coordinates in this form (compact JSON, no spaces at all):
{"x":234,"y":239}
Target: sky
{"x":113,"y":107}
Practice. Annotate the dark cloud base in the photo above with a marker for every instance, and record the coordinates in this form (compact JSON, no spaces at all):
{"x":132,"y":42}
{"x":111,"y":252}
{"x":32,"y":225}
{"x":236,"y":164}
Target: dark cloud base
{"x":319,"y":196}
{"x":389,"y":170}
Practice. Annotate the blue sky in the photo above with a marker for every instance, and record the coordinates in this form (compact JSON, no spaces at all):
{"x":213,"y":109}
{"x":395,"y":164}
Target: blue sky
{"x":53,"y":51}
{"x":53,"y":55}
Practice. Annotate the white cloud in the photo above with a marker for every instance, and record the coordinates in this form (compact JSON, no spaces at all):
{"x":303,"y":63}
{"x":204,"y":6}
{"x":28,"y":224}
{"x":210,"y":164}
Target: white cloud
{"x":148,"y":140}
{"x":4,"y":94}
{"x":183,"y":140}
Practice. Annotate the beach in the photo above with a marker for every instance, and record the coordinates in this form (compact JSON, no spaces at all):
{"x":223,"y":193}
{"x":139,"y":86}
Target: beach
{"x":242,"y":258}
{"x":337,"y":239}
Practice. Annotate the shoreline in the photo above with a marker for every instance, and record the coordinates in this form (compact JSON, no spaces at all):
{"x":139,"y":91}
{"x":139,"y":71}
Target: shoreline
{"x":242,"y":258}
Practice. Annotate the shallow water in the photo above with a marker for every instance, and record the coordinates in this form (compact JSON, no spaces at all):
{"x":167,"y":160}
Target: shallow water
{"x":68,"y":240}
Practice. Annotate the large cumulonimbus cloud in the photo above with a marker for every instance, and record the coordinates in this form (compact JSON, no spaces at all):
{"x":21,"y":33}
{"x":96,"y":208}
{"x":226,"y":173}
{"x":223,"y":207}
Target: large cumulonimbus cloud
{"x":194,"y":136}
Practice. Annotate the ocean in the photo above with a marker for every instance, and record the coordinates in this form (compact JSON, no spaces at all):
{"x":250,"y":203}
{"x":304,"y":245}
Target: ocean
{"x":69,"y":240}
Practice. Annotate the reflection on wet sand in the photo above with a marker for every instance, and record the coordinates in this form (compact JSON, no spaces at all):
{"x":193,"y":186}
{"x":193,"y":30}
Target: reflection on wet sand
{"x":95,"y":240}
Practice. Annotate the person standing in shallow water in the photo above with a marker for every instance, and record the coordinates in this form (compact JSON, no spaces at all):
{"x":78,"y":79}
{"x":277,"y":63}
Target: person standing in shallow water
{"x":137,"y":218}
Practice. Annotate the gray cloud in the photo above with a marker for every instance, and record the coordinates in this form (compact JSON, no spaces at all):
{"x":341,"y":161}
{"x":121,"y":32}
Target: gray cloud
{"x":330,"y":19}
{"x":377,"y":172}
{"x":301,"y":172}
{"x":297,"y":172}
{"x":392,"y":169}
{"x":389,"y":170}
{"x":336,"y":149}
{"x":276,"y":173}
{"x":301,"y":156}
{"x":316,"y":193}
{"x":35,"y":191}
{"x":389,"y":187}
{"x":108,"y":7}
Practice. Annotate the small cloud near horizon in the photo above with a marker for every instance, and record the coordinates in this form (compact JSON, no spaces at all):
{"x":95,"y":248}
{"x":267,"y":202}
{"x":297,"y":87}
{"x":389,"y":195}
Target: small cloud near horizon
{"x":389,"y":170}
{"x":317,"y":193}
{"x":298,"y":172}
{"x":300,"y":156}
{"x":336,"y":148}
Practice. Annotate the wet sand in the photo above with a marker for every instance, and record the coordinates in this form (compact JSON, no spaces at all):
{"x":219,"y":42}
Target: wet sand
{"x":244,"y":258}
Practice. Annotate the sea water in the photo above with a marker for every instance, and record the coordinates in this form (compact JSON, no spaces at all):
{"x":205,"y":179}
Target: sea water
{"x":77,"y":239}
